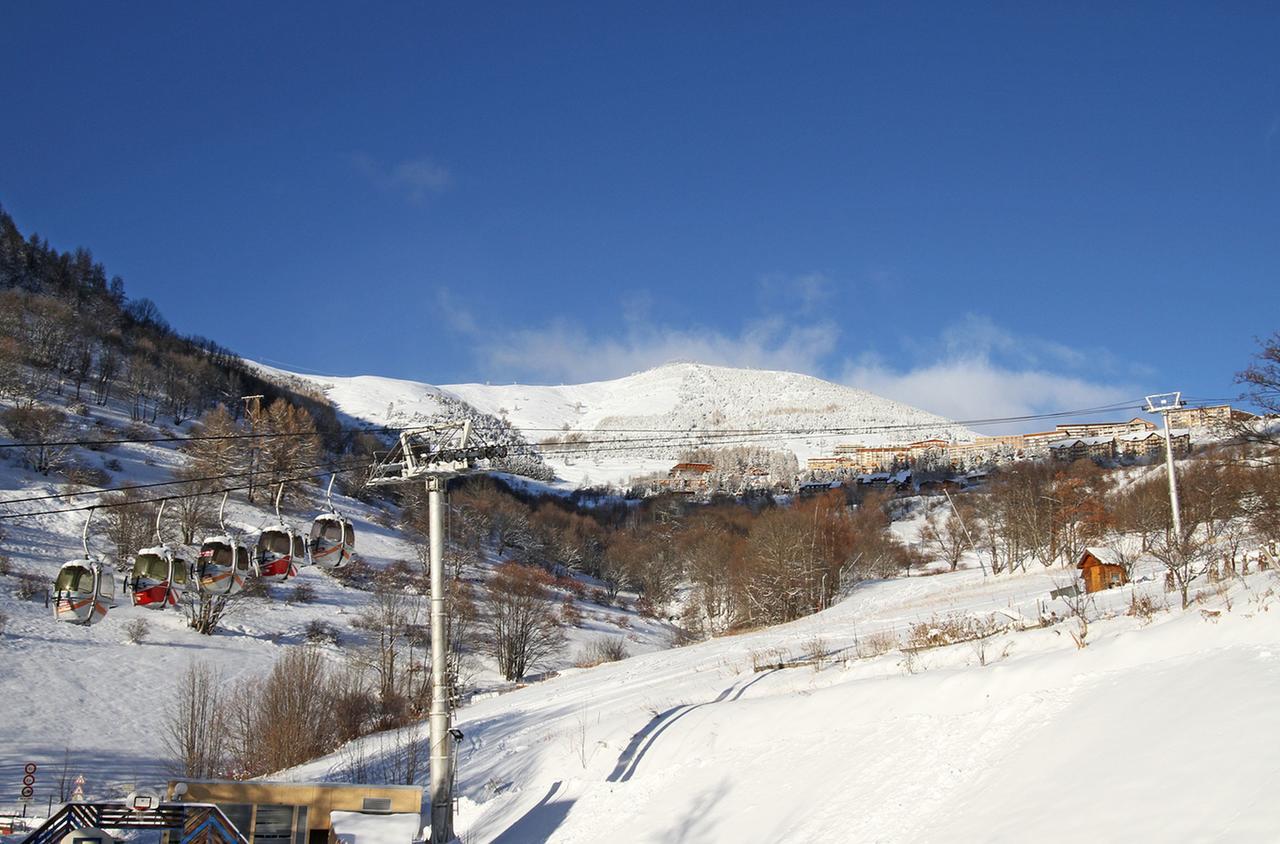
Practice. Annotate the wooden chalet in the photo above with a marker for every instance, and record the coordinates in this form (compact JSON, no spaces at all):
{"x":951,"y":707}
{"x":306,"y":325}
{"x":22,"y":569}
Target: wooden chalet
{"x":1100,"y":571}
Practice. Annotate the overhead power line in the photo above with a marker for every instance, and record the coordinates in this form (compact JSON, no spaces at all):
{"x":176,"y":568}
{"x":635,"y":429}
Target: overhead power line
{"x":158,"y":499}
{"x":175,"y":482}
{"x":199,"y":437}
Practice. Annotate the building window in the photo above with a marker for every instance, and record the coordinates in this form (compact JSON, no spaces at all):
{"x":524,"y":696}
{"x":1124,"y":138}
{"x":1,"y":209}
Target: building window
{"x":273,"y":825}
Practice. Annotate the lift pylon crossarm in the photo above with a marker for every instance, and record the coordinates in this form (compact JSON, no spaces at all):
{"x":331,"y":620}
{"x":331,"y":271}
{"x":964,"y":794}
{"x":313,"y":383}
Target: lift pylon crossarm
{"x":448,"y":449}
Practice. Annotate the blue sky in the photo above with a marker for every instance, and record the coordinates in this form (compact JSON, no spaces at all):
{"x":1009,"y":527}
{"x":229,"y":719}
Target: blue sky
{"x":980,"y":209}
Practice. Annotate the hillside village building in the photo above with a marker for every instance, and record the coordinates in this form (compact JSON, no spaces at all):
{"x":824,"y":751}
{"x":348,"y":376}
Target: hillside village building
{"x":689,"y":477}
{"x":1106,"y":429}
{"x":1216,"y":416}
{"x":1100,"y":441}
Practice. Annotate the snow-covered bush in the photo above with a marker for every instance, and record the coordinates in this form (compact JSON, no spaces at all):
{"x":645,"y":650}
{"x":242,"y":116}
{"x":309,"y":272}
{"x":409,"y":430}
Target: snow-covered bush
{"x":321,"y":632}
{"x":601,"y":651}
{"x":949,"y":629}
{"x":303,"y":593}
{"x":136,"y":630}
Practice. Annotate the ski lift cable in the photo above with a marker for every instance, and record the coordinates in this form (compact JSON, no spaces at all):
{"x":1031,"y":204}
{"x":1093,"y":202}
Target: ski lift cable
{"x":352,"y":429}
{"x":130,"y":487}
{"x":387,"y":429}
{"x":177,"y":497}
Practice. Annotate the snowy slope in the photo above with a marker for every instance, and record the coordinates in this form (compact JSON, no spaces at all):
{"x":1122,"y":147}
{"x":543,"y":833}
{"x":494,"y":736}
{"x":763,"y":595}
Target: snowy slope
{"x":683,"y":397}
{"x":90,"y":695}
{"x":695,"y":745}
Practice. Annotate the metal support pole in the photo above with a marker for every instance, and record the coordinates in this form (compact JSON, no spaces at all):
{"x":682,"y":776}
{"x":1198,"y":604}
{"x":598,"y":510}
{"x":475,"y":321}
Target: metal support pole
{"x":967,"y":537}
{"x":441,"y":739}
{"x":1173,"y":479}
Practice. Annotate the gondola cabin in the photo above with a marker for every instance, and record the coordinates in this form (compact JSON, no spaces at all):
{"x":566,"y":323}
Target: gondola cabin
{"x":83,"y":592}
{"x":223,"y":566}
{"x":1100,"y":571}
{"x":279,"y":552}
{"x":333,"y":541}
{"x":159,"y":577}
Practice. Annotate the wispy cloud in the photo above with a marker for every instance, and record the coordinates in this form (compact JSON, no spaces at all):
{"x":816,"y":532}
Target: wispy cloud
{"x":977,"y":369}
{"x":566,"y":352}
{"x":414,"y":178}
{"x":973,"y":369}
{"x":979,"y":388}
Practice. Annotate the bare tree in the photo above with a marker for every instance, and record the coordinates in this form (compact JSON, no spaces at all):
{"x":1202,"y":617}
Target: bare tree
{"x":395,"y":654}
{"x":193,"y":509}
{"x":1262,"y":379}
{"x":945,"y":537}
{"x":523,"y":631}
{"x":39,"y":426}
{"x":196,"y":728}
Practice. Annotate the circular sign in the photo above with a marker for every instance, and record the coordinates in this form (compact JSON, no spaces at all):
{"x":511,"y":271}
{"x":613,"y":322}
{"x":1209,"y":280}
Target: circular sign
{"x":30,"y":768}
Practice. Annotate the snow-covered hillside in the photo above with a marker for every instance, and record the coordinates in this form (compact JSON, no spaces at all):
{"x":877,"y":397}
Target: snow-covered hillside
{"x":682,"y":397}
{"x":713,"y":742}
{"x":91,"y":696}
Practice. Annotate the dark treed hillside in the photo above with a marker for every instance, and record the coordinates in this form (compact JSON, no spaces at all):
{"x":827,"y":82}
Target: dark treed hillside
{"x":68,"y":329}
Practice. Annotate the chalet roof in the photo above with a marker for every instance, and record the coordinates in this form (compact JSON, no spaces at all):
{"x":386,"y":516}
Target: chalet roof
{"x":1072,"y":441}
{"x":1146,"y":435}
{"x":692,"y":467}
{"x":1103,"y":555}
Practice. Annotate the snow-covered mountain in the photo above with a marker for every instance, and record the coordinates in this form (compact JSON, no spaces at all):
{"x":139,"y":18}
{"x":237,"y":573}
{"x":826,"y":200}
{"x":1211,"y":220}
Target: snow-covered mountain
{"x":784,"y":410}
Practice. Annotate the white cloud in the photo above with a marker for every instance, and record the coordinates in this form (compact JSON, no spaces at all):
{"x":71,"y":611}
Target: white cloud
{"x":414,"y":178}
{"x":977,"y":388}
{"x":567,"y":352}
{"x":974,"y":369}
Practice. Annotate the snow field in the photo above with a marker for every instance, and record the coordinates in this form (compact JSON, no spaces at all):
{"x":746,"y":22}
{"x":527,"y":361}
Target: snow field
{"x":694,"y":744}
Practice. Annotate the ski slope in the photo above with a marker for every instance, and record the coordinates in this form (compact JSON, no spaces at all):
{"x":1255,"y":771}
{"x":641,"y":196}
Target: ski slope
{"x":90,"y":696}
{"x":1173,"y":719}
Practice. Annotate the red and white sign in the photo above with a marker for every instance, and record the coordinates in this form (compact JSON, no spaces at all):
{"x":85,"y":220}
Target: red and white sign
{"x":28,"y":782}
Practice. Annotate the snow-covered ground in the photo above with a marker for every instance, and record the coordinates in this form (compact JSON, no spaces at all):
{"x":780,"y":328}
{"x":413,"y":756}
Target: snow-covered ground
{"x":89,"y":695}
{"x":1158,"y":730}
{"x":680,"y":397}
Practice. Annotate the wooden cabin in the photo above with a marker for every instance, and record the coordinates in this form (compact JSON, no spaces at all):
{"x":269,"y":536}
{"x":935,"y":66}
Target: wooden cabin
{"x":1099,"y":571}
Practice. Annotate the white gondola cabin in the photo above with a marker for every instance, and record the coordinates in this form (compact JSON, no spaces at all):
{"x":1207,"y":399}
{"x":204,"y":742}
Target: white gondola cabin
{"x":333,"y":538}
{"x":279,"y":552}
{"x":83,"y":591}
{"x":223,"y":566}
{"x":159,"y":577}
{"x":159,"y":574}
{"x":333,"y":541}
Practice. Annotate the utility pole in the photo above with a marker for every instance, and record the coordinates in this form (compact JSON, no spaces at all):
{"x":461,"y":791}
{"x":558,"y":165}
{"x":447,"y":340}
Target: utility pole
{"x":1163,"y":403}
{"x":252,"y":404}
{"x":436,"y":454}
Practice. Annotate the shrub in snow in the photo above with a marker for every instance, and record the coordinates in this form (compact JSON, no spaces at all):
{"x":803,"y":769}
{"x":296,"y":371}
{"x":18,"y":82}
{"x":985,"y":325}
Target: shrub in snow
{"x":6,"y":565}
{"x":137,"y":630}
{"x":600,"y":651}
{"x":31,"y":586}
{"x":876,"y":644}
{"x":4,"y":622}
{"x":303,"y":593}
{"x":256,"y":587}
{"x":949,"y":629}
{"x":86,"y":475}
{"x":569,"y":612}
{"x":320,"y":632}
{"x":817,"y":651}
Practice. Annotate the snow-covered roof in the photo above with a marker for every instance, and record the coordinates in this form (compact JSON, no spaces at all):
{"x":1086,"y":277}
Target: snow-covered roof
{"x":360,"y":828}
{"x":1103,"y":555}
